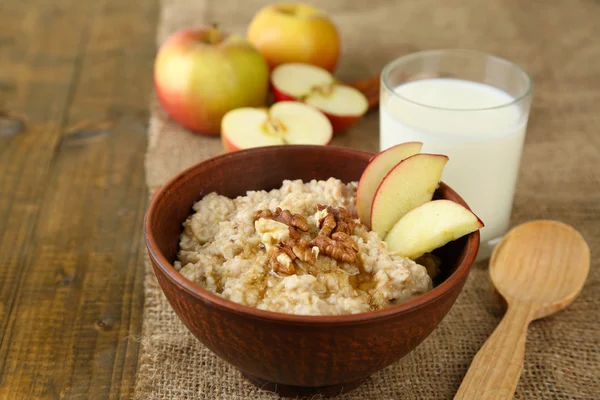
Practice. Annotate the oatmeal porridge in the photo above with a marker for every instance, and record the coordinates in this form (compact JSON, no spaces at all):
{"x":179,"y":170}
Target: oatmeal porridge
{"x":298,"y":249}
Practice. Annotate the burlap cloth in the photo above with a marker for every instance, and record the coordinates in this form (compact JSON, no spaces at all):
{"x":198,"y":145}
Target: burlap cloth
{"x":557,"y":42}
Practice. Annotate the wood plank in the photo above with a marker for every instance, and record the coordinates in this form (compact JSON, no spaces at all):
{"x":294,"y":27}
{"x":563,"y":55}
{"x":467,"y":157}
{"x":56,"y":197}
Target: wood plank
{"x":41,"y":69}
{"x":71,"y":271}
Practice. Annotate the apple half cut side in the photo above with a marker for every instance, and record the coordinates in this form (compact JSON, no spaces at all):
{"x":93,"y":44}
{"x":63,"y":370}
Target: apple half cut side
{"x":430,"y":226}
{"x":342,"y":104}
{"x":294,"y":80}
{"x":286,"y":122}
{"x":377,"y":169}
{"x":409,"y":184}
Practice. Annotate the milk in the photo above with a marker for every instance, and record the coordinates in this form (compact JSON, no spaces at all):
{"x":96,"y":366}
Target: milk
{"x":457,"y":118}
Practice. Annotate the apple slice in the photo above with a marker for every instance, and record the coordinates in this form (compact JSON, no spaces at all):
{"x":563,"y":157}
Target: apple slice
{"x":408,"y":185}
{"x":377,"y":169}
{"x":430,"y":226}
{"x":342,"y":104}
{"x":286,"y":122}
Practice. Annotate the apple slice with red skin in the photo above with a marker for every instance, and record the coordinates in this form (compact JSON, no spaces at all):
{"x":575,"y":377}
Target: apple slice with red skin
{"x":342,"y":104}
{"x":377,"y":169}
{"x":430,"y":226}
{"x":409,"y":184}
{"x":286,"y":122}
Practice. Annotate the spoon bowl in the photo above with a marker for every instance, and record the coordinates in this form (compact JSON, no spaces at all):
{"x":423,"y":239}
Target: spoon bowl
{"x":542,"y":263}
{"x":539,"y":268}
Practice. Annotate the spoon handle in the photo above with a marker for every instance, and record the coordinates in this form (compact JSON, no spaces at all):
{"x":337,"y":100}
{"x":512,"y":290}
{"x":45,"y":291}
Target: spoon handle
{"x":495,"y":370}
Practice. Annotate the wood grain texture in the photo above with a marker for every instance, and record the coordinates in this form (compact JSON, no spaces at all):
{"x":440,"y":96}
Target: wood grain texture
{"x":74,"y":87}
{"x":539,"y":268}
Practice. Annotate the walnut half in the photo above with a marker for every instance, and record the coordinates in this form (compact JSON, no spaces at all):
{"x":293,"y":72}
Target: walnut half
{"x":340,"y":250}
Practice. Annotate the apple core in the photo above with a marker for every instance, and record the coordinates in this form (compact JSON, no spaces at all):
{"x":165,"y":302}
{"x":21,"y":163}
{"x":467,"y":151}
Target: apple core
{"x":274,"y":127}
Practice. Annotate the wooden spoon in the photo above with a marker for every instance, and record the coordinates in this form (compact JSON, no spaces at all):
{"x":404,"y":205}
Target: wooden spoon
{"x":539,"y":268}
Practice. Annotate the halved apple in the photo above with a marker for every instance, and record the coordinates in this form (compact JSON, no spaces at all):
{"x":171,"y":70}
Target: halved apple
{"x":342,"y":104}
{"x":430,"y":226}
{"x":408,"y":185}
{"x":286,"y":122}
{"x":377,"y":169}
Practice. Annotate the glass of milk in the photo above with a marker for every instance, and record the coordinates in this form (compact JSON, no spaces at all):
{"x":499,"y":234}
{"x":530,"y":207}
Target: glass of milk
{"x":471,"y":106}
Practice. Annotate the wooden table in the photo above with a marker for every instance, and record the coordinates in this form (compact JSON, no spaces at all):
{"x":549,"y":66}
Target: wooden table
{"x":75,"y":81}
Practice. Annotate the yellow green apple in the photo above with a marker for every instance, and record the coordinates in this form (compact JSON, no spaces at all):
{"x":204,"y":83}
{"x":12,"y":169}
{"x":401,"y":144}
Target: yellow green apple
{"x":201,"y":74}
{"x":295,"y":32}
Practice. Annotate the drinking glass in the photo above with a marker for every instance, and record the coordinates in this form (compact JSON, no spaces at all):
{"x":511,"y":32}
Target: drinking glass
{"x":472,"y":107}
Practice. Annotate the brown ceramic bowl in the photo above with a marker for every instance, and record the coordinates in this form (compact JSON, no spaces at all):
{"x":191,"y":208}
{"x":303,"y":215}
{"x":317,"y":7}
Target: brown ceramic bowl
{"x":293,"y":354}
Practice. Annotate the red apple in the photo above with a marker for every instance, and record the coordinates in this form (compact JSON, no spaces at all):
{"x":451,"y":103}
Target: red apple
{"x":201,"y":74}
{"x":286,"y":122}
{"x":342,"y":104}
{"x":295,"y":32}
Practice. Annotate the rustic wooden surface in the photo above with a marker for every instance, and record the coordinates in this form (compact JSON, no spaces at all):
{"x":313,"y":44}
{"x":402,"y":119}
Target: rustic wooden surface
{"x":74,"y":89}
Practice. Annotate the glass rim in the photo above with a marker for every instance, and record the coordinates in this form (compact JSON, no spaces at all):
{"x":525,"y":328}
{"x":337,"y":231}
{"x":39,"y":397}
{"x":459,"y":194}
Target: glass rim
{"x":386,"y":70}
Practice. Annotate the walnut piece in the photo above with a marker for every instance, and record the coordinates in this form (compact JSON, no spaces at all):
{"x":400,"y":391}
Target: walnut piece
{"x":281,"y":261}
{"x":293,"y":233}
{"x":327,"y":225}
{"x":344,"y":221}
{"x":285,"y":217}
{"x":339,"y":224}
{"x":346,"y":239}
{"x":303,"y":251}
{"x":283,"y":255}
{"x":263,"y":214}
{"x":336,"y":225}
{"x":339,"y":250}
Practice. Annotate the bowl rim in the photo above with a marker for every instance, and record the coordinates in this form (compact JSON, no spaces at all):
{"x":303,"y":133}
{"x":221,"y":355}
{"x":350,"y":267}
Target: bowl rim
{"x":465,"y":262}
